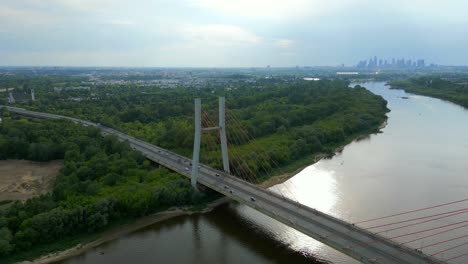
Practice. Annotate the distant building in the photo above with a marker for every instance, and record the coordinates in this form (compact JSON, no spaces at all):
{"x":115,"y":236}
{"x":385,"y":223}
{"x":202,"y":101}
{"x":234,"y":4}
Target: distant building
{"x":347,"y":73}
{"x":374,"y":63}
{"x":58,"y":89}
{"x":420,"y":63}
{"x":11,"y":99}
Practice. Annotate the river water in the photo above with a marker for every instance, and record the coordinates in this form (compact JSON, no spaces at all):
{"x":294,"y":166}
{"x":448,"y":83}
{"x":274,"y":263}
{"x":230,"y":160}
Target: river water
{"x":420,"y":159}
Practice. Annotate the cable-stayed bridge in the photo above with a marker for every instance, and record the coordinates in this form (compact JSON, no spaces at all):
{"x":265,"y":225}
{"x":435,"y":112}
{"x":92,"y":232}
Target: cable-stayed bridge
{"x":350,"y":239}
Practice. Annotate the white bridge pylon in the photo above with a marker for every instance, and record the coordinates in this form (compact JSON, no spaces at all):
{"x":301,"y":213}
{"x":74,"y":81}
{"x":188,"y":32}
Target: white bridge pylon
{"x":197,"y":138}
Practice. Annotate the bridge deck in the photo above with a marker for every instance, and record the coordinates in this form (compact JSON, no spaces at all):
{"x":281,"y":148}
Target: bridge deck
{"x":351,"y":240}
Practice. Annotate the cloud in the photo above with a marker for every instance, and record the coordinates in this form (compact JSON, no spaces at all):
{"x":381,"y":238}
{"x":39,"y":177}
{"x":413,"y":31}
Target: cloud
{"x":83,"y":5}
{"x":16,"y":17}
{"x":219,"y":35}
{"x":119,"y":22}
{"x":271,"y":9}
{"x":284,"y":43}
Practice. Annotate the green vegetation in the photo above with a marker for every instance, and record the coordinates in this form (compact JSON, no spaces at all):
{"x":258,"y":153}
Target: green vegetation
{"x":436,"y":86}
{"x":102,"y":181}
{"x":288,"y":120}
{"x":5,"y":202}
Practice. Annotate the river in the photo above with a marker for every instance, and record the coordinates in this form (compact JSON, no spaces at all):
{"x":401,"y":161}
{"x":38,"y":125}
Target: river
{"x":419,"y":159}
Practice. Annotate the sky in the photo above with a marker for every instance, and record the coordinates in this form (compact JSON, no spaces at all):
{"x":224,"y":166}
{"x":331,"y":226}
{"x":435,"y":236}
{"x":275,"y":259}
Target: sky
{"x":230,"y":33}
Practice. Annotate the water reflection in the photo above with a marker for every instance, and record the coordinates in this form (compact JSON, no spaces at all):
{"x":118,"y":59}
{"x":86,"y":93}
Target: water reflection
{"x":418,"y":160}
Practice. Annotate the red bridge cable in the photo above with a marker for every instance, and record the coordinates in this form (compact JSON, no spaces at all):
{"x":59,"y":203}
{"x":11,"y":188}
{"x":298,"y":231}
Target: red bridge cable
{"x":412,"y":211}
{"x":434,"y":244}
{"x":459,"y":256}
{"x":212,"y":142}
{"x":421,"y":231}
{"x":240,"y":157}
{"x":241,"y":139}
{"x":432,"y":235}
{"x":208,"y":140}
{"x":422,"y":222}
{"x":417,"y":218}
{"x":431,"y":229}
{"x":247,"y":135}
{"x":382,"y":239}
{"x":245,"y":176}
{"x":239,"y":160}
{"x":260,"y":158}
{"x":448,"y":249}
{"x":430,"y":245}
{"x":257,"y":158}
{"x":442,"y":242}
{"x":375,"y":241}
{"x":424,"y":217}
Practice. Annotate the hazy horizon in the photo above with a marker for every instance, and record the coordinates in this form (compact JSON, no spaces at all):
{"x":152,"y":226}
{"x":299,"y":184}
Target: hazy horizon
{"x":229,"y":34}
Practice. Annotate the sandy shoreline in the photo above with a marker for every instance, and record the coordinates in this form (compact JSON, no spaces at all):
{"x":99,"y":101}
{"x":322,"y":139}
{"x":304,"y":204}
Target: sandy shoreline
{"x":275,"y":180}
{"x":122,"y":230}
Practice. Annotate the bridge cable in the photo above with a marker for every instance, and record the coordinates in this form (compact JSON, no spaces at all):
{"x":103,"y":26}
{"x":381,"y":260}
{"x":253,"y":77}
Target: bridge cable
{"x":422,"y":231}
{"x":432,"y":235}
{"x":240,"y":157}
{"x":262,"y":153}
{"x":431,"y":229}
{"x":384,"y":231}
{"x":448,"y":249}
{"x":431,"y":245}
{"x":259,"y":158}
{"x":464,"y":210}
{"x":455,"y":257}
{"x":384,"y":238}
{"x":412,"y":211}
{"x":244,"y":175}
{"x":256,"y":157}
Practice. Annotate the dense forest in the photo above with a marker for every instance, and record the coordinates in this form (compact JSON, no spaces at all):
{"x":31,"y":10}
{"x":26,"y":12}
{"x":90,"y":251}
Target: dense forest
{"x":453,"y":89}
{"x":102,"y":181}
{"x":288,"y":120}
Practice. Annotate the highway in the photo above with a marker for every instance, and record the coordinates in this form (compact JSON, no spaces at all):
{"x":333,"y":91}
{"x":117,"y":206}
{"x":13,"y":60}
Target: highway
{"x":347,"y":238}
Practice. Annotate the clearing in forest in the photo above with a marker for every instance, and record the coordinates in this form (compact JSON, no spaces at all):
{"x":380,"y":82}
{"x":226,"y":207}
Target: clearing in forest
{"x":23,"y":179}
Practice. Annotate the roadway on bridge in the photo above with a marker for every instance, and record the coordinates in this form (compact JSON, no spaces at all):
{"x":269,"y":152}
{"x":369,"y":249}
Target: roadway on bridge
{"x":349,"y":239}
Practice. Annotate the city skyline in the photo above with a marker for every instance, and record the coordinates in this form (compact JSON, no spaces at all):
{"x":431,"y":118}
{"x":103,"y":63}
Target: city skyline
{"x":393,"y":63}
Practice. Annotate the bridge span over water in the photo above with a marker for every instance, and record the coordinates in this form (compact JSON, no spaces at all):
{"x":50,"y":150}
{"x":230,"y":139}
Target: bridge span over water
{"x":347,"y":238}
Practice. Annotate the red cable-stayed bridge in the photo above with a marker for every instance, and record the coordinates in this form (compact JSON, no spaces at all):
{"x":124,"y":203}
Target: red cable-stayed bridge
{"x":366,"y":245}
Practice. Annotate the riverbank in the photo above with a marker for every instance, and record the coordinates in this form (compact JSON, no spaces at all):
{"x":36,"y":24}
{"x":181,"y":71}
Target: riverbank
{"x":297,"y":166}
{"x":436,"y":87}
{"x":283,"y":174}
{"x":122,"y":230}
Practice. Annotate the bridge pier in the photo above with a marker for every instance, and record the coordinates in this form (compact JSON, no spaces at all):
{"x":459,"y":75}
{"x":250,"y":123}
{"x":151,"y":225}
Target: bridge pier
{"x":197,"y":139}
{"x":196,"y":143}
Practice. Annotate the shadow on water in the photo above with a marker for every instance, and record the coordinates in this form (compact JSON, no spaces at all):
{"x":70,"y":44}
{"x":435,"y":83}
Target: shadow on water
{"x":221,"y":236}
{"x":255,"y":238}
